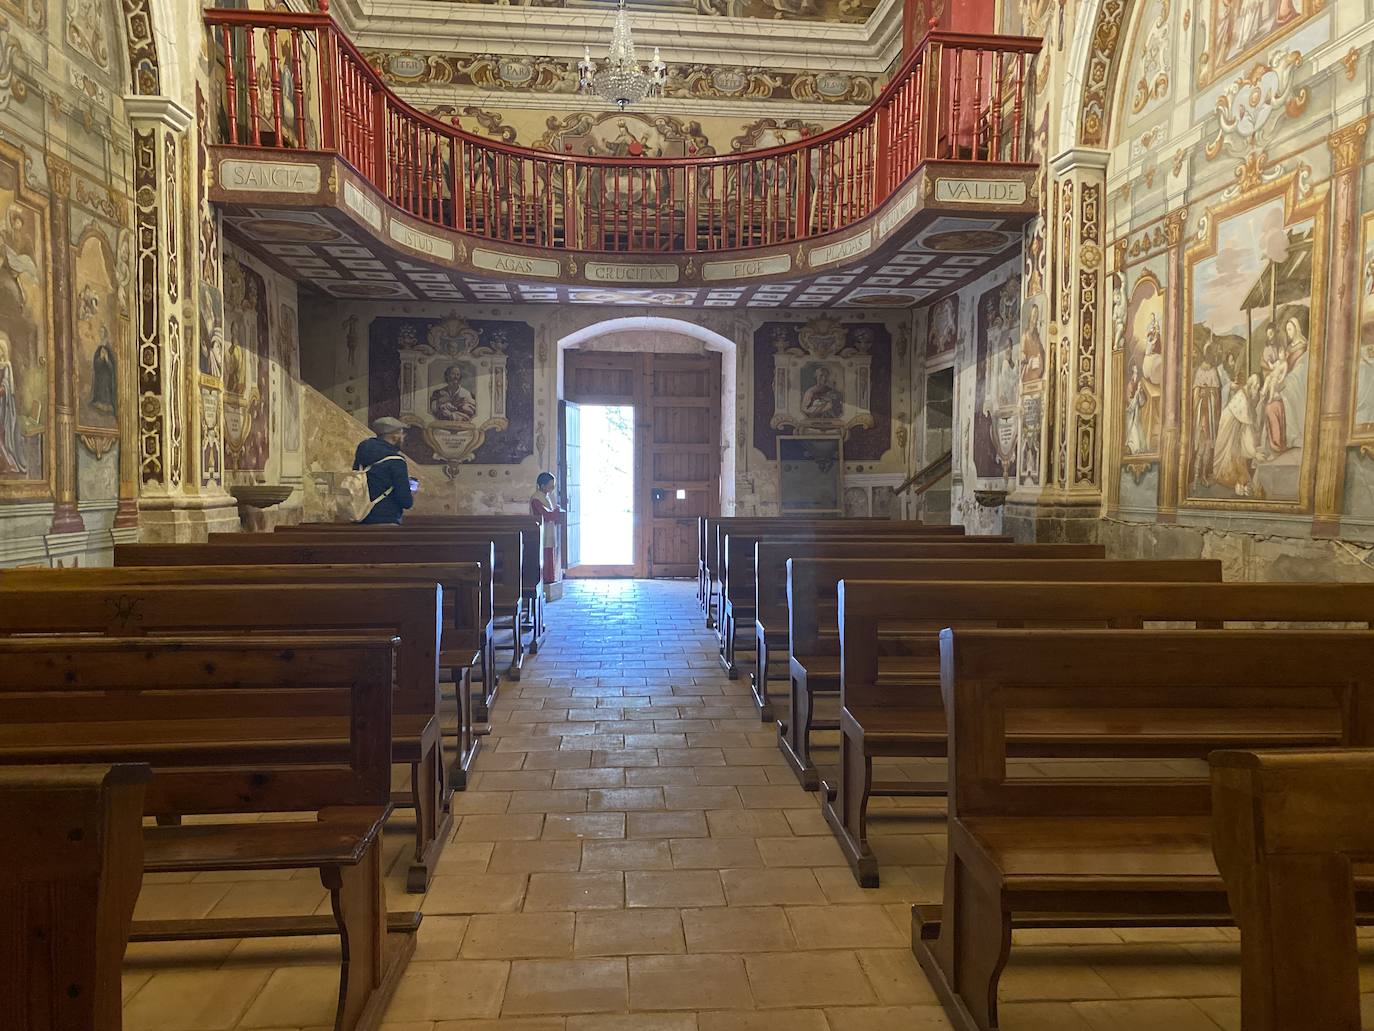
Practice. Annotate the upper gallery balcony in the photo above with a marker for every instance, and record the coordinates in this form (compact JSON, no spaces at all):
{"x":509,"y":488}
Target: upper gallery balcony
{"x":305,"y":121}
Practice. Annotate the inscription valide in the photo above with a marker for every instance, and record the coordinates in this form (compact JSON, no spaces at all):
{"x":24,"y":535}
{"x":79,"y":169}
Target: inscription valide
{"x":981,"y":191}
{"x":268,"y":176}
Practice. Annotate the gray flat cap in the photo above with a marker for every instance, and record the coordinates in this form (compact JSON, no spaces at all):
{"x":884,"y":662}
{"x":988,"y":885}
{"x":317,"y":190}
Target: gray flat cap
{"x":386,"y":424}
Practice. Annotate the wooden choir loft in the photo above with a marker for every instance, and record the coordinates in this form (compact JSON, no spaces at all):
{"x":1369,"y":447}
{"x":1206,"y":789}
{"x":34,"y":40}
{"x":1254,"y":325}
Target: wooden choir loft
{"x":375,"y":380}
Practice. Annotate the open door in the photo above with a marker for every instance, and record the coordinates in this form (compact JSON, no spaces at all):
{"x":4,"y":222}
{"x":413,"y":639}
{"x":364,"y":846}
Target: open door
{"x":570,"y":480}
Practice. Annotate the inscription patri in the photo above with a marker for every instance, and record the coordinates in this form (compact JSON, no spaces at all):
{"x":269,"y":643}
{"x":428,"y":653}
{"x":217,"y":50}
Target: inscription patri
{"x":268,"y":176}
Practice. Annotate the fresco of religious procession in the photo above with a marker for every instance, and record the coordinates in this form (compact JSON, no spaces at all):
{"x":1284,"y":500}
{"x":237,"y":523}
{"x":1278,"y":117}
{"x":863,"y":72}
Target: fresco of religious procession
{"x":1252,"y":364}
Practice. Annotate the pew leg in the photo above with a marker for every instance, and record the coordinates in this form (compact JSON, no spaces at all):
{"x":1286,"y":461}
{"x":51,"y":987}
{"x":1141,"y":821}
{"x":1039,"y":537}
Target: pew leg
{"x":517,"y":646}
{"x":468,"y":741}
{"x":727,"y":645}
{"x":481,"y":709}
{"x":847,"y":809}
{"x":433,"y":820}
{"x":355,"y":893}
{"x":711,"y":606}
{"x":759,"y":683}
{"x":966,"y":961}
{"x":794,"y":735}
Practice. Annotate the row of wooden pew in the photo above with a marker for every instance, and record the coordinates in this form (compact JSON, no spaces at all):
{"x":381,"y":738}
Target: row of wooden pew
{"x":206,"y":686}
{"x":1017,"y":663}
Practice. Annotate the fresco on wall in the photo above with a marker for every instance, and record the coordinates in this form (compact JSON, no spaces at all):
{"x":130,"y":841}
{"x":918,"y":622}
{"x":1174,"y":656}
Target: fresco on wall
{"x":289,"y":361}
{"x":464,"y":387}
{"x":996,"y":404}
{"x":1252,"y":362}
{"x":1362,"y":402}
{"x":789,"y":10}
{"x":943,"y":334}
{"x":246,"y":371}
{"x":98,"y":333}
{"x":623,"y":134}
{"x":1033,"y":343}
{"x":25,"y":339}
{"x":818,"y":377}
{"x":1151,"y":77}
{"x":1238,"y":30}
{"x":1142,"y":347}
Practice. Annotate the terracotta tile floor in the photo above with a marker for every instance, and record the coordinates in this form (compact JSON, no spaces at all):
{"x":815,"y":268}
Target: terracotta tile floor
{"x":634,"y":856}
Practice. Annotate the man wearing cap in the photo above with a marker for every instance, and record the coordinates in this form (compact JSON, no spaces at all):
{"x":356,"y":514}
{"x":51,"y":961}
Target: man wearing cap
{"x":389,"y":486}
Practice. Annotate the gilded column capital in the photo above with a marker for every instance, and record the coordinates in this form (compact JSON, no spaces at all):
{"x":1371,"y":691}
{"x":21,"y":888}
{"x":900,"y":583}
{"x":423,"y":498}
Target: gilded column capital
{"x":1347,"y":144}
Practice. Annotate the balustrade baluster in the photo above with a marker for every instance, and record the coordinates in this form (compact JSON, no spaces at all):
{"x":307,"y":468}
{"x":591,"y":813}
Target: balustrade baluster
{"x":250,"y":57}
{"x":979,"y":129}
{"x":1018,"y":129}
{"x":274,"y":72}
{"x":231,"y":100}
{"x":997,"y":99}
{"x":298,"y":89}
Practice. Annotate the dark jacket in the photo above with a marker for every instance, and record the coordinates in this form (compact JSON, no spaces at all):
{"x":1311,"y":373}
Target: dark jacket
{"x":388,"y":479}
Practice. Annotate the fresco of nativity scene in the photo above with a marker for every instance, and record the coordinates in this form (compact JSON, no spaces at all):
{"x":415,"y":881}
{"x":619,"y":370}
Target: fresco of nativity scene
{"x":1249,"y":363}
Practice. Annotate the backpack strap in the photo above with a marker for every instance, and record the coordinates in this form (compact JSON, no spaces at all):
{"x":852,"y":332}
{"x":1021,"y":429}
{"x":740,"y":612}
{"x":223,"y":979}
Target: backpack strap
{"x":371,"y":501}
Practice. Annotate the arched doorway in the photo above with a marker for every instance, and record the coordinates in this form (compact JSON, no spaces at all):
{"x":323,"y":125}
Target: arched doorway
{"x":647,"y":410}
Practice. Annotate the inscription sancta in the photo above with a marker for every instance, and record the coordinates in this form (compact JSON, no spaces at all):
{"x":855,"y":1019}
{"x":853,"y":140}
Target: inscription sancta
{"x":981,"y":191}
{"x":746,"y":268}
{"x":515,"y":264}
{"x":606,"y":272}
{"x":418,"y":241}
{"x":268,"y":176}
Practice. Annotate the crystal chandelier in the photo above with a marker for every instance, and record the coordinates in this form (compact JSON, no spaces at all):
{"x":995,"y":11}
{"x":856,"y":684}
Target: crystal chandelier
{"x":622,"y":81}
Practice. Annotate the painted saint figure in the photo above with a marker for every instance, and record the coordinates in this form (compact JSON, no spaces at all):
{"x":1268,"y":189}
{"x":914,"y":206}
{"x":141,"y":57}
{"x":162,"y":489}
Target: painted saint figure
{"x":10,"y":460}
{"x":823,"y":400}
{"x":1205,"y":407}
{"x":1237,"y":444}
{"x":103,"y":376}
{"x":453,"y":402}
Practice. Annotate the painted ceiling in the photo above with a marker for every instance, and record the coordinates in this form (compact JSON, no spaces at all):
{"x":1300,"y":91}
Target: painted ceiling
{"x":791,"y":10}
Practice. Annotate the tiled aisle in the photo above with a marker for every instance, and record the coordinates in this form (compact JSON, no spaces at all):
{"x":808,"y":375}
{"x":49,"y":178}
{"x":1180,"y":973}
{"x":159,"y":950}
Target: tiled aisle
{"x":634,"y":856}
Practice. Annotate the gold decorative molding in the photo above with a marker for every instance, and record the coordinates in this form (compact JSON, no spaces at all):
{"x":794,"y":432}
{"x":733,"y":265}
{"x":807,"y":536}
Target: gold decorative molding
{"x":1351,"y":60}
{"x":1347,"y":144}
{"x":98,"y":444}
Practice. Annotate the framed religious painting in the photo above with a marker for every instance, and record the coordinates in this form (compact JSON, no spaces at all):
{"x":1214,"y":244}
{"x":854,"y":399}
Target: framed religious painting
{"x":811,"y":474}
{"x":1362,"y":363}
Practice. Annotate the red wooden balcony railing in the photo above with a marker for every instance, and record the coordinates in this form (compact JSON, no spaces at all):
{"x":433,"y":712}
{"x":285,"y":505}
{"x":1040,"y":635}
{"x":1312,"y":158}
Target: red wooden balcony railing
{"x":295,"y":82}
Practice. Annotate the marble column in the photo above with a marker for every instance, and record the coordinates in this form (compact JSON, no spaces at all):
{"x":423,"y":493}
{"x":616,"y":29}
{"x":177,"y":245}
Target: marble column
{"x":1347,"y":152}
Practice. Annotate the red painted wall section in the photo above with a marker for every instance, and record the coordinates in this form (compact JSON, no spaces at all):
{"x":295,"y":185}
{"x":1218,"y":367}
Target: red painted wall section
{"x":952,"y":15}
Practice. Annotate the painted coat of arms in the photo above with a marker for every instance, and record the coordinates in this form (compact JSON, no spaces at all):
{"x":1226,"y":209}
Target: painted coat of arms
{"x":452,"y":387}
{"x":824,"y":381}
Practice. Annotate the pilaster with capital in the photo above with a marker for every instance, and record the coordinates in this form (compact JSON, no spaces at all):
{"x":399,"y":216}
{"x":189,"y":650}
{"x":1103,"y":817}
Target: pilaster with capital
{"x":1347,"y":151}
{"x":1174,"y":393}
{"x":65,"y":517}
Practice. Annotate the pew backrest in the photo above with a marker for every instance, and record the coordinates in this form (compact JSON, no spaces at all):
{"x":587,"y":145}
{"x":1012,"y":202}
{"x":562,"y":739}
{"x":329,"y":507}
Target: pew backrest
{"x":182,"y":703}
{"x":413,"y":611}
{"x":993,"y":681}
{"x":771,"y":555}
{"x":880,"y":617}
{"x":813,"y":584}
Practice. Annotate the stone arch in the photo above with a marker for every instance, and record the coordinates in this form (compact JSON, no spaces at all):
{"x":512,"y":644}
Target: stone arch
{"x":1090,"y":74}
{"x":652,"y":333}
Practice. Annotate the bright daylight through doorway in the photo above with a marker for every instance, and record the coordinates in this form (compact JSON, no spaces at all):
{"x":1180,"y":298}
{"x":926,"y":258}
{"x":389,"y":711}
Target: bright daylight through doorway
{"x":607,"y":483}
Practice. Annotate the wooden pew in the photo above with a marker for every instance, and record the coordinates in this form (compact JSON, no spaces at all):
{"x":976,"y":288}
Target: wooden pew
{"x":1286,"y":829}
{"x":268,"y":549}
{"x":770,"y":578}
{"x":813,"y":628}
{"x":1093,"y":850}
{"x":531,"y":558}
{"x":413,"y":611}
{"x":461,"y":642}
{"x":71,"y":860}
{"x":739,"y":584}
{"x":890,"y":696}
{"x":238,"y":724}
{"x":714,"y":530}
{"x":507,"y":573}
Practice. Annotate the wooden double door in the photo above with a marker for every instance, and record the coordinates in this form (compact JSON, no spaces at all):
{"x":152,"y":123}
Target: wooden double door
{"x":675,"y":401}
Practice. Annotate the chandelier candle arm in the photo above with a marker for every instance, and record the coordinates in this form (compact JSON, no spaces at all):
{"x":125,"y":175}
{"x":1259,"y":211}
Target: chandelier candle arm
{"x":622,"y":81}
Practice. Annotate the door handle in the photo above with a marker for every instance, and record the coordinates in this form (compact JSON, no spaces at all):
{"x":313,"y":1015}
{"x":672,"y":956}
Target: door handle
{"x":659,"y":493}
